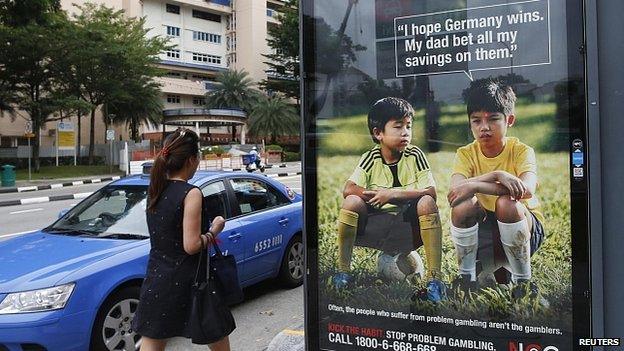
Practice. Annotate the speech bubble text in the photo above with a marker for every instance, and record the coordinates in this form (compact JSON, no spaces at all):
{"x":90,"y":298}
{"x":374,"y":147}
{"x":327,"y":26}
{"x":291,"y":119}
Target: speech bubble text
{"x":473,"y":39}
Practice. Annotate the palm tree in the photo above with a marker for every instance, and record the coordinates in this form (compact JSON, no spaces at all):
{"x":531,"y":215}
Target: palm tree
{"x":234,"y":90}
{"x":142,"y":107}
{"x":272,"y":117}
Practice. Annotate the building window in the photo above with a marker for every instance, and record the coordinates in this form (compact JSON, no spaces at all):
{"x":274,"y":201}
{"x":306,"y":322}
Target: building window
{"x":209,"y":37}
{"x":173,"y":31}
{"x":173,"y":9}
{"x":199,"y":101}
{"x":206,"y":16}
{"x":173,"y":99}
{"x":173,"y":53}
{"x":197,"y":57}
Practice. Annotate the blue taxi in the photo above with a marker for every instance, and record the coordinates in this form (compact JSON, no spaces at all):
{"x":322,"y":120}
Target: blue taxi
{"x":75,"y":284}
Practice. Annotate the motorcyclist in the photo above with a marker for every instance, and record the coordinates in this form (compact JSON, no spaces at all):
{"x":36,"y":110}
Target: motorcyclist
{"x":256,"y":156}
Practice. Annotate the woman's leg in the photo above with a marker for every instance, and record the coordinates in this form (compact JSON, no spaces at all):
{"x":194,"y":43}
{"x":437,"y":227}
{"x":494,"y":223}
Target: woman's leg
{"x":149,"y":344}
{"x":221,"y":345}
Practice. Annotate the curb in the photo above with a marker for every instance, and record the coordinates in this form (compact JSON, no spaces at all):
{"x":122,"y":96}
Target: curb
{"x":292,"y":339}
{"x":283,"y":165}
{"x":38,"y":200}
{"x":278,"y":175}
{"x":55,"y":186}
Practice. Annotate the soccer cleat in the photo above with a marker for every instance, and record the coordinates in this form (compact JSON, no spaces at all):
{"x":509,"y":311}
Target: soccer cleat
{"x":435,"y":292}
{"x":464,"y":284}
{"x":528,"y":288}
{"x":341,"y":280}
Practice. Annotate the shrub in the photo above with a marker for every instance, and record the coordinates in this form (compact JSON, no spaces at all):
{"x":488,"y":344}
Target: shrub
{"x":274,"y":147}
{"x":291,"y":156}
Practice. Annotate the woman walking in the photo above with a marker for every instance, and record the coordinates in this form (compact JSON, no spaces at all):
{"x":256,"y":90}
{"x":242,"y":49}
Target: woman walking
{"x":174,"y":221}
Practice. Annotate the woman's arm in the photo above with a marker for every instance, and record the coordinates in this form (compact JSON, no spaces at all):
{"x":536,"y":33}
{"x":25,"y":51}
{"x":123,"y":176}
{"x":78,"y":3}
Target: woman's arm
{"x":191,"y":223}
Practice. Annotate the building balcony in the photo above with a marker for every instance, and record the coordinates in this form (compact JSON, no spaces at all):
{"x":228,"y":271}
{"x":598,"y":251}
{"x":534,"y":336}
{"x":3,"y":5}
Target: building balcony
{"x":170,"y":85}
{"x":217,"y":6}
{"x":204,"y":116}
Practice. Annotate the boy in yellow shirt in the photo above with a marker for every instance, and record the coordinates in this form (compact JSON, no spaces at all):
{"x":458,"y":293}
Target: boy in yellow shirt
{"x":495,"y":213}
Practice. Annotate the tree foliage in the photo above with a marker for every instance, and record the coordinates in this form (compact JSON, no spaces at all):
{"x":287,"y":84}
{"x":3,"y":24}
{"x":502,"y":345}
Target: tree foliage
{"x":283,"y":62}
{"x":139,"y":103}
{"x":111,"y":60}
{"x":29,"y":30}
{"x":272,"y":117}
{"x":234,"y":89}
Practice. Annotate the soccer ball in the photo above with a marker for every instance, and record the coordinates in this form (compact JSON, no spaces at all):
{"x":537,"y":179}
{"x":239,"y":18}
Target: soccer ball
{"x":400,"y":267}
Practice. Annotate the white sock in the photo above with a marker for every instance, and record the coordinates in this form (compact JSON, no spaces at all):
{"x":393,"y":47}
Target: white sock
{"x":466,"y":242}
{"x":515,"y":238}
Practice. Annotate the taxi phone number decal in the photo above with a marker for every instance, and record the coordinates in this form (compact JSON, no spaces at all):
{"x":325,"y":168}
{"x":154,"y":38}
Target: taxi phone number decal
{"x":268,"y":243}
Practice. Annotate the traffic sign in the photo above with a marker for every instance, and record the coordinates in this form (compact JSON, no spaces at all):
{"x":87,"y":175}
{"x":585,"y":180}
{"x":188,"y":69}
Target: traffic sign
{"x":110,"y":134}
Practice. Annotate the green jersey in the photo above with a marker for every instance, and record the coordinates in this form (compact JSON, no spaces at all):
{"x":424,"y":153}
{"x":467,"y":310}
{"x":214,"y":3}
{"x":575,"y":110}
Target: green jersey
{"x":410,"y":172}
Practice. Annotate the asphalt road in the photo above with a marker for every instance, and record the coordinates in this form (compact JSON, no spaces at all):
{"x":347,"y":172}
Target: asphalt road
{"x":267,"y":310}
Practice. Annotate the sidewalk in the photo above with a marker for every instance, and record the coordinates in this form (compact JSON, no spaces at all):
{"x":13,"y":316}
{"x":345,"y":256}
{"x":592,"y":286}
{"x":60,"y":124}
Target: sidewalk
{"x":291,"y":339}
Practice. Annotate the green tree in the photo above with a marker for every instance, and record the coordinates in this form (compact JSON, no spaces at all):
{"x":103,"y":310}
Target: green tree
{"x":234,"y":89}
{"x":29,"y":33}
{"x":139,"y":104}
{"x":272,"y":117}
{"x":108,"y":51}
{"x":283,"y":62}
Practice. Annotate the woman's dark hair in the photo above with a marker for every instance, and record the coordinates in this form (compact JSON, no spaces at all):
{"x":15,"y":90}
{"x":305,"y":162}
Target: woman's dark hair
{"x":177,"y":149}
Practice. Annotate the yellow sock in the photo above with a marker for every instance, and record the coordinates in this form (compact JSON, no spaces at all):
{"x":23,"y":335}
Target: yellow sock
{"x":431,"y":234}
{"x":347,"y":230}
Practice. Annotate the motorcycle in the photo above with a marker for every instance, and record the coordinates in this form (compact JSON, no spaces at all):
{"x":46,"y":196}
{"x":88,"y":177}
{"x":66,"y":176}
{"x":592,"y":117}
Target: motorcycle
{"x":250,"y":164}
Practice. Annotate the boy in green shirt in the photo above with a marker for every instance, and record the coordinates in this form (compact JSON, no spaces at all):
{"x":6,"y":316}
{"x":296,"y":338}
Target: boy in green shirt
{"x":390,"y":199}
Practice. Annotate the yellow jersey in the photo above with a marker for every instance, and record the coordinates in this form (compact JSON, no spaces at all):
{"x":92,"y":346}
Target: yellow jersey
{"x":516,"y":158}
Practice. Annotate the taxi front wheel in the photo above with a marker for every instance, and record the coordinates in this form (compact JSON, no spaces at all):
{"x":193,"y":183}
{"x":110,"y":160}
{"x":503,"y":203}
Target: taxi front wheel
{"x":112,"y":329}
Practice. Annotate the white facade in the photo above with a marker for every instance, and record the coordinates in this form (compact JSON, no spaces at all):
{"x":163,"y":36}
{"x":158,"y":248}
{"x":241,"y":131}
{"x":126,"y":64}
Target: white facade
{"x":207,"y":37}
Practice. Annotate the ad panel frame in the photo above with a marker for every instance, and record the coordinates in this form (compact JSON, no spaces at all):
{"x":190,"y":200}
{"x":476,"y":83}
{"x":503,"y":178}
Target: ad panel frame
{"x":584,"y":125}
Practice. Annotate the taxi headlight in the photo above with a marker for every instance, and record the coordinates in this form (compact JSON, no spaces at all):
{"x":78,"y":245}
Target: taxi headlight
{"x":40,"y":300}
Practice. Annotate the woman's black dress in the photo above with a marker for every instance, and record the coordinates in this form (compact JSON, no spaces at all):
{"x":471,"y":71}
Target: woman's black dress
{"x":165,"y":301}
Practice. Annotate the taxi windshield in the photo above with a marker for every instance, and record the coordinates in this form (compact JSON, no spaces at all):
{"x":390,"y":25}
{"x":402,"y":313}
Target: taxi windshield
{"x":113,"y":211}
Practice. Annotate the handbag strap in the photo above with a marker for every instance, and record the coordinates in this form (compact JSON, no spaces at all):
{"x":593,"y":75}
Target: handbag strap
{"x":218,"y":252}
{"x":201,"y":254}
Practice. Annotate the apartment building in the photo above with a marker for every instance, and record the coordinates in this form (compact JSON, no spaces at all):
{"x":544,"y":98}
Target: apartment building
{"x":209,"y":36}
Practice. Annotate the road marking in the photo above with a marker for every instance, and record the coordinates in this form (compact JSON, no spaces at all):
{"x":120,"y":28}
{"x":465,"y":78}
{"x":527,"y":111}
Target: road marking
{"x":15,"y":234}
{"x":35,"y":200}
{"x":281,"y":179}
{"x":27,"y":211}
{"x":293,"y":332}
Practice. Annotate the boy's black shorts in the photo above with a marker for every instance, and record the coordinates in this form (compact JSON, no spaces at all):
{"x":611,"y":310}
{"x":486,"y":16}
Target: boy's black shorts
{"x":390,"y":232}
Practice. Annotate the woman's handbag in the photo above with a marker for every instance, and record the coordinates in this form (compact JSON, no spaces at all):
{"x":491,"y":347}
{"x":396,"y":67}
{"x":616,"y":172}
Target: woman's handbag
{"x":224,"y":269}
{"x":210,"y":318}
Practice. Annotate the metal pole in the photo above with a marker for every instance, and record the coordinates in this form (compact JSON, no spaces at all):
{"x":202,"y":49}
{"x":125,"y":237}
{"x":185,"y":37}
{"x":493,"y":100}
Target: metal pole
{"x":76,"y":148}
{"x":56,"y":134}
{"x":110,"y":142}
{"x":29,"y":171}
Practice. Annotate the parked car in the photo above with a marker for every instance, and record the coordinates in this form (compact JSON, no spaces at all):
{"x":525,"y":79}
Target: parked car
{"x":74,"y":285}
